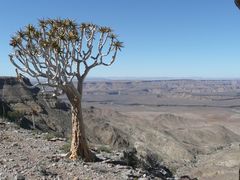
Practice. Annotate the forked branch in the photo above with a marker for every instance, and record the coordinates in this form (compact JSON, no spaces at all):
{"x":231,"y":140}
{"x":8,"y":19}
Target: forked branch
{"x":58,"y":51}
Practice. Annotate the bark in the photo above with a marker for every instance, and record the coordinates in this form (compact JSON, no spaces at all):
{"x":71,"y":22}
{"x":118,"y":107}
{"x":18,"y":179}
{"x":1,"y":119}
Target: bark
{"x":79,"y":145}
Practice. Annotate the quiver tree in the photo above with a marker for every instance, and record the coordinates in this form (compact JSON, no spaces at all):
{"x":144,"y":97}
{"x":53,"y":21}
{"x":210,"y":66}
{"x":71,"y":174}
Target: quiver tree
{"x":58,"y":52}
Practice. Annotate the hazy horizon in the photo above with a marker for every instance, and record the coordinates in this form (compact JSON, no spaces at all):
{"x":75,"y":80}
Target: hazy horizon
{"x":91,"y":78}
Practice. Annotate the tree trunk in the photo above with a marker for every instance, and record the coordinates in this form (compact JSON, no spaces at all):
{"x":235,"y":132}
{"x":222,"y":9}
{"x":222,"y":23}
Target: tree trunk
{"x":79,"y":146}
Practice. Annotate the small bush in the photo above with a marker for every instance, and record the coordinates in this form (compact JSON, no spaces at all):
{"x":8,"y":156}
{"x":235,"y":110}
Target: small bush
{"x":153,"y":164}
{"x":14,"y":116}
{"x":3,"y":109}
{"x":104,"y":149}
{"x":130,"y":157}
{"x":66,"y":147}
{"x":50,"y":136}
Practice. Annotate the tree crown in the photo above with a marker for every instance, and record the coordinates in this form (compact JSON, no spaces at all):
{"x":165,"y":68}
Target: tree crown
{"x":59,"y":50}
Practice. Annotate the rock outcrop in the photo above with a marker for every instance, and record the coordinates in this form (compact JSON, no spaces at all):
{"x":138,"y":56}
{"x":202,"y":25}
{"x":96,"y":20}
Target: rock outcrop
{"x":34,"y":110}
{"x":13,"y":91}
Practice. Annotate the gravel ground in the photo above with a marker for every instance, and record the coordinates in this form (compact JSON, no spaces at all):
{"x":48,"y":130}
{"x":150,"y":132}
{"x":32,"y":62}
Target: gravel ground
{"x":25,"y":154}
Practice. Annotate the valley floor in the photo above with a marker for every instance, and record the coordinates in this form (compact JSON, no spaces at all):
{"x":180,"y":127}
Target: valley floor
{"x":202,"y":142}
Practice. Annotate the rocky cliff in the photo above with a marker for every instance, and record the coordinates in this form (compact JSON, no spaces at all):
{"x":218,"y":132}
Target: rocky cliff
{"x":12,"y":91}
{"x":34,"y":110}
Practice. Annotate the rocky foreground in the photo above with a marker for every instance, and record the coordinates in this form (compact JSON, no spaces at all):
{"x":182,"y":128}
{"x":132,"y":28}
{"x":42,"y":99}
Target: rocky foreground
{"x":27,"y":154}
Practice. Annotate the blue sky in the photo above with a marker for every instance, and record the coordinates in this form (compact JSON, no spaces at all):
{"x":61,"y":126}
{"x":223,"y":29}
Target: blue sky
{"x":163,"y":38}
